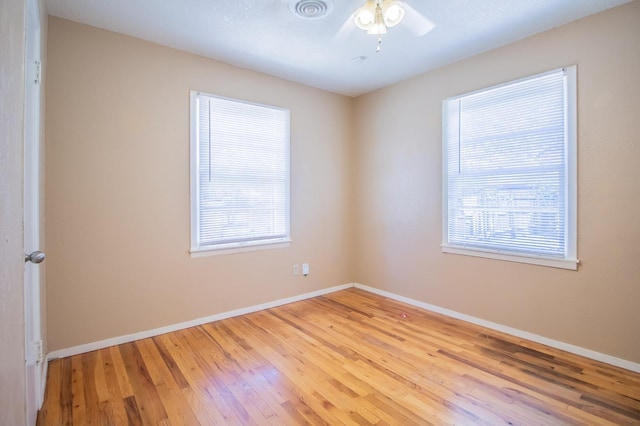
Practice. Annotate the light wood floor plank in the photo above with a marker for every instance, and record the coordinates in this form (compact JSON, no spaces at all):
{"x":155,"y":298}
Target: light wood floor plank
{"x":116,"y":400}
{"x":77,"y":389}
{"x":349,"y":357}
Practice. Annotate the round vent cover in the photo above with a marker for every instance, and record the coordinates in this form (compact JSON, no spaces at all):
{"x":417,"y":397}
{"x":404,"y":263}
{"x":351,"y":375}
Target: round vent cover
{"x":311,"y":9}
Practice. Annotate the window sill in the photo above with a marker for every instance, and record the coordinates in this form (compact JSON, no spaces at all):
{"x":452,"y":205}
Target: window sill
{"x":571,"y":264}
{"x":235,"y":248}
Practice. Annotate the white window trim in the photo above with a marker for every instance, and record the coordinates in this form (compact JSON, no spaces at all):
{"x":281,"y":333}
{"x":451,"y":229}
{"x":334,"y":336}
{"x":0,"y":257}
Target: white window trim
{"x":571,"y":260}
{"x":219,"y":250}
{"x":222,"y":249}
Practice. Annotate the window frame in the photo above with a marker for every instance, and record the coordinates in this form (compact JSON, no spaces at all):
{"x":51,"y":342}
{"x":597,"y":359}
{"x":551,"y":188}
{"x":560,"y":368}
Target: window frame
{"x":570,"y":259}
{"x":198,"y":250}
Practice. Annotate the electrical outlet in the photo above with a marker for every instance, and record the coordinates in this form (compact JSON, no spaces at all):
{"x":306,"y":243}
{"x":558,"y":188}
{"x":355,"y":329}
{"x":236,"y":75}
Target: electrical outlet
{"x":305,"y":269}
{"x":296,"y":269}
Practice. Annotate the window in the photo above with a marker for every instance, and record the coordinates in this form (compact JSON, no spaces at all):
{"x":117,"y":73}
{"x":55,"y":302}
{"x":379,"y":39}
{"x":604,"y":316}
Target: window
{"x":239,"y":174}
{"x":509,"y":184}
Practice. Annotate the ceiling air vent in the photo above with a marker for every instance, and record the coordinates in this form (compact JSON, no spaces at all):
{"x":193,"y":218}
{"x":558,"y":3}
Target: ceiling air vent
{"x":311,"y":9}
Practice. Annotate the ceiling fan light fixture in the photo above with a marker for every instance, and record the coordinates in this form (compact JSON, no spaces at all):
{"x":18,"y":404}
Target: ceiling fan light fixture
{"x":393,"y":13}
{"x":378,"y":15}
{"x":365,"y":16}
{"x":378,"y":27}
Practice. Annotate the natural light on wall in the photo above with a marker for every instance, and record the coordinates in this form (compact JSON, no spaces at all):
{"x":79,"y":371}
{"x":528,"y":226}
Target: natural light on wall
{"x":510,"y":171}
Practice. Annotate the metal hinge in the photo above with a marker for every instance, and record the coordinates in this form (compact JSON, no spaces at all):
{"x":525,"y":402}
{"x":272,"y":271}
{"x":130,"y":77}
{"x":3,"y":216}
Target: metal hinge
{"x":38,"y":69}
{"x":39,"y":351}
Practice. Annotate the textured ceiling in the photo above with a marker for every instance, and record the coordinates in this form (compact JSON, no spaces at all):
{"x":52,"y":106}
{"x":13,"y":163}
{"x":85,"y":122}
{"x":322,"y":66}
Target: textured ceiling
{"x":329,"y":52}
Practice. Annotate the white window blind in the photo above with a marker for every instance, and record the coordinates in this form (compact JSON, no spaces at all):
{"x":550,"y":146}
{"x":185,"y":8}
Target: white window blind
{"x":509,"y":162}
{"x":240,"y":173}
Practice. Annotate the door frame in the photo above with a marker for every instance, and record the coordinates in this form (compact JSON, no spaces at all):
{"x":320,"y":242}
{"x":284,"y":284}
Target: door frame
{"x":35,"y":364}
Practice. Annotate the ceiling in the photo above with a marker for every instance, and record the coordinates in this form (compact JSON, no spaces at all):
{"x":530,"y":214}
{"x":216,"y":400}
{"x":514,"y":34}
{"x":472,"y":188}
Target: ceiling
{"x":329,"y":52}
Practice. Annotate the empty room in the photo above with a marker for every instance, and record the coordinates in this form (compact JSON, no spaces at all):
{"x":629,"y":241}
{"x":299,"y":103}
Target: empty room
{"x":320,"y":212}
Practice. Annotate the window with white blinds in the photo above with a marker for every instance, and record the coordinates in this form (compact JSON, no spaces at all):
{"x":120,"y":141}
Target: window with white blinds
{"x":510,"y":171}
{"x":239,"y":174}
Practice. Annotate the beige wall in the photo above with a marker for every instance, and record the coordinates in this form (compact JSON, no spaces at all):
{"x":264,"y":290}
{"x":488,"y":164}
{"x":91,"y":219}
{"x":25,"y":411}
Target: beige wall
{"x":12,"y":380}
{"x":118,"y":189}
{"x":398,"y":192}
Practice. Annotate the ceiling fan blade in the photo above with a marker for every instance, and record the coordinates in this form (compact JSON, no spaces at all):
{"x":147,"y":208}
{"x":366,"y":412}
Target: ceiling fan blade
{"x":415,"y":22}
{"x":346,"y":29}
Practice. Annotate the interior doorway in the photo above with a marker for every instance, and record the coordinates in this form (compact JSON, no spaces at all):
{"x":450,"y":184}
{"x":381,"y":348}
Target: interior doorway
{"x":34,"y":356}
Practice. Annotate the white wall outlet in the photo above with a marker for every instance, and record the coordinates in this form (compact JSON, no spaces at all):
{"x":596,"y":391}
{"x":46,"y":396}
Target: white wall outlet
{"x":296,"y":269}
{"x":305,"y":269}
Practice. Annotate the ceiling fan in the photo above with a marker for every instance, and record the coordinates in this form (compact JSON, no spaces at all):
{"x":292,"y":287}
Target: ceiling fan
{"x":376,"y":16}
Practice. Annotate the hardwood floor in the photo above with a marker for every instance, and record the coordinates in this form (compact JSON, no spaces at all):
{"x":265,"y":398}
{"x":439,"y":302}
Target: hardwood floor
{"x":349,"y":357}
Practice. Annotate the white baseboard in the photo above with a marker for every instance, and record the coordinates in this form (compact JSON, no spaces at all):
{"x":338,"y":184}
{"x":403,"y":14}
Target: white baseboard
{"x":618,"y":362}
{"x":587,"y":353}
{"x":88,"y":347}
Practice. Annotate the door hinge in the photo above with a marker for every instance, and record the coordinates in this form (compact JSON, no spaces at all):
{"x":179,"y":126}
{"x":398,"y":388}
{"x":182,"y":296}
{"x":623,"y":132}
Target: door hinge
{"x":39,"y":351}
{"x":38,"y":69}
